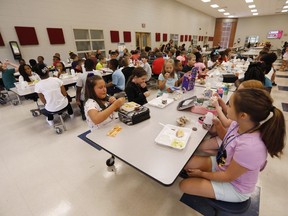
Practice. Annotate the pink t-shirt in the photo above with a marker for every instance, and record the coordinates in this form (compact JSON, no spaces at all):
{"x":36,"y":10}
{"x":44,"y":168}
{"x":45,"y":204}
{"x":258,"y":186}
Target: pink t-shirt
{"x":249,"y":151}
{"x":200,"y":65}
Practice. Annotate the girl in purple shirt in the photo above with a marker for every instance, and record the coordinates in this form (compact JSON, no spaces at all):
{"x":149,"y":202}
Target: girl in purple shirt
{"x":258,"y":128}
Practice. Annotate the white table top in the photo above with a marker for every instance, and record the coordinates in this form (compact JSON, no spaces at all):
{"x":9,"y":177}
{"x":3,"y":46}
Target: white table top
{"x":135,"y":144}
{"x":30,"y":88}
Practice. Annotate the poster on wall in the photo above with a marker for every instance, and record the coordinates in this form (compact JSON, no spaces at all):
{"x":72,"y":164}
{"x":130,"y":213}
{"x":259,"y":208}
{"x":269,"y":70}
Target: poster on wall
{"x":121,"y":47}
{"x":275,"y":34}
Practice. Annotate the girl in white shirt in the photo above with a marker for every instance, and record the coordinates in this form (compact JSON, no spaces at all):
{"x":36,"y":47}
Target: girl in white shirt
{"x":52,"y":93}
{"x":99,"y":107}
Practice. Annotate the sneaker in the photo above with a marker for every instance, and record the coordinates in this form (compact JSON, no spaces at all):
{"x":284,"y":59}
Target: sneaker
{"x":50,"y":122}
{"x":274,"y":84}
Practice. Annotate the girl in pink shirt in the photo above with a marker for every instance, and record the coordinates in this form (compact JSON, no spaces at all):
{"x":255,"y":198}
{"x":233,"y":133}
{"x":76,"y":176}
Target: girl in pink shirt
{"x":232,"y":175}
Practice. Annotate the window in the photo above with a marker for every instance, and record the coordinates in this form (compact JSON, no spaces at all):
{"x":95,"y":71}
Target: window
{"x":225,"y":36}
{"x":88,"y":40}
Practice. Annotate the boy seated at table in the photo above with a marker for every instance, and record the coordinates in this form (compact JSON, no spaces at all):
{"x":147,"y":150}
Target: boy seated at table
{"x":118,"y":79}
{"x":191,"y":60}
{"x":101,"y":62}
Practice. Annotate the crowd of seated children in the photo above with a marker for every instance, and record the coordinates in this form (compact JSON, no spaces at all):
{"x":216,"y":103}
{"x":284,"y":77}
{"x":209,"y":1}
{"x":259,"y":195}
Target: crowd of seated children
{"x":52,"y":94}
{"x":136,"y":89}
{"x":168,"y":79}
{"x":158,"y":63}
{"x":8,"y":77}
{"x":101,"y":62}
{"x":232,"y":174}
{"x":99,"y":106}
{"x":80,"y":85}
{"x":118,"y":79}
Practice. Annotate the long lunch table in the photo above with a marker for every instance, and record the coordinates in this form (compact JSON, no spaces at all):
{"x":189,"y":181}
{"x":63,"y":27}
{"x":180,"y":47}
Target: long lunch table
{"x":135,"y":144}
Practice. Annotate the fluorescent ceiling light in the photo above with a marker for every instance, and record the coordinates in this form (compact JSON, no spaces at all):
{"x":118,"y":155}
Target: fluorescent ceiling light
{"x":205,"y":1}
{"x":249,"y":1}
{"x":255,"y":14}
{"x":251,"y":6}
{"x":221,"y":10}
{"x":214,"y":6}
{"x":226,"y":14}
{"x":254,"y":10}
{"x":284,"y":11}
{"x":230,"y":16}
{"x":286,"y":6}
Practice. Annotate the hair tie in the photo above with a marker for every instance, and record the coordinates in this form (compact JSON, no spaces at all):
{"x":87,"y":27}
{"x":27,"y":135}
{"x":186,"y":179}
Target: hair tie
{"x":272,"y":109}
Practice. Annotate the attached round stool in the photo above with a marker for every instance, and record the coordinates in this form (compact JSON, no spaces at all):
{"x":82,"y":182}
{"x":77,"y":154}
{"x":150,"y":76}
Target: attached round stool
{"x":212,"y":207}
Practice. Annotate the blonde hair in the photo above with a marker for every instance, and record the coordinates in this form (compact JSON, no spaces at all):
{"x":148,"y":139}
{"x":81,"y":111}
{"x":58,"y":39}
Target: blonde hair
{"x":252,"y":84}
{"x":168,"y":61}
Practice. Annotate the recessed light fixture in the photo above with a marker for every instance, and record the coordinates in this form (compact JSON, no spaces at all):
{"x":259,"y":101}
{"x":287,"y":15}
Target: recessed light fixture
{"x":251,"y":6}
{"x":205,"y":1}
{"x":255,"y":14}
{"x":249,"y":1}
{"x":221,"y":10}
{"x":286,"y":6}
{"x":231,"y":16}
{"x":226,"y":14}
{"x":214,"y":6}
{"x":284,"y":11}
{"x":254,"y":10}
{"x":286,"y":2}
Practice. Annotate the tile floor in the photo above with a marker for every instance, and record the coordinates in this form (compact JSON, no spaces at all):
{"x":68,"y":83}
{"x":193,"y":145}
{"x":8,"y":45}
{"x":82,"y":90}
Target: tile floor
{"x":45,"y":174}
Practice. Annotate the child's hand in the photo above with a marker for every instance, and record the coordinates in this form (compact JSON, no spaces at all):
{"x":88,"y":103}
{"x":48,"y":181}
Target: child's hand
{"x":119,"y":102}
{"x":143,"y":85}
{"x":169,"y":90}
{"x":214,"y":102}
{"x":194,"y":172}
{"x":111,"y":99}
{"x":216,"y":121}
{"x":147,"y":94}
{"x":166,"y":75}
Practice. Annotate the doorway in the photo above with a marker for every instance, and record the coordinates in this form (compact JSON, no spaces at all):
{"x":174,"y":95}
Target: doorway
{"x":143,"y":39}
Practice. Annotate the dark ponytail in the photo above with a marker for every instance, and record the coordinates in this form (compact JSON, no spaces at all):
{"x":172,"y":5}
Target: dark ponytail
{"x":258,"y":104}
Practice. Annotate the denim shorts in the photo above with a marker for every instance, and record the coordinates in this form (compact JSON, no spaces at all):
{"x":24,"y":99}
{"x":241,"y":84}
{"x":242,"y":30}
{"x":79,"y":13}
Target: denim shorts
{"x":224,"y":190}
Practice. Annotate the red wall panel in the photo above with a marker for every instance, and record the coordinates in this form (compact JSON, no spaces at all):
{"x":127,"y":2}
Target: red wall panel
{"x":127,"y":36}
{"x":164,"y":37}
{"x":157,"y":36}
{"x":1,"y":41}
{"x":114,"y":36}
{"x":26,"y":35}
{"x":56,"y":35}
{"x":181,"y":38}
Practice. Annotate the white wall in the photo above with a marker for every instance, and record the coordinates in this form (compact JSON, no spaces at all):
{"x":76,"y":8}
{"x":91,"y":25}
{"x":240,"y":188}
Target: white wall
{"x":261,"y":26}
{"x":164,"y":16}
